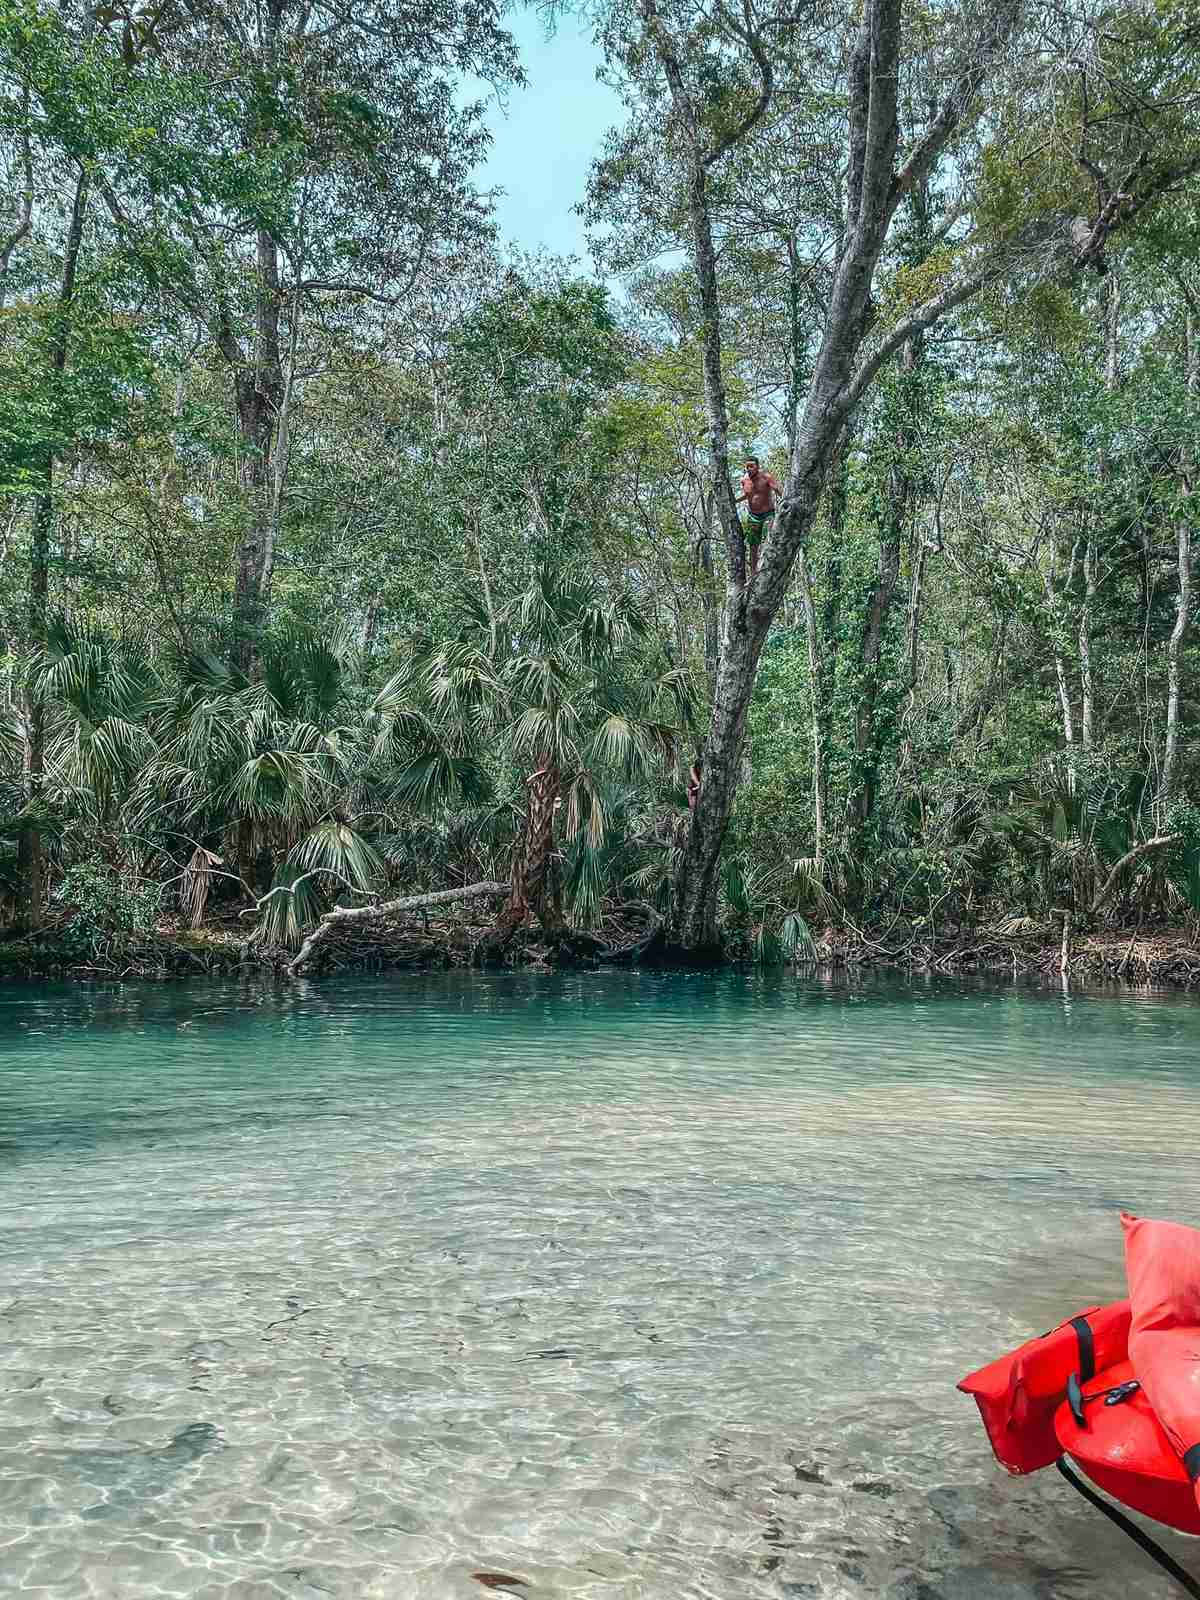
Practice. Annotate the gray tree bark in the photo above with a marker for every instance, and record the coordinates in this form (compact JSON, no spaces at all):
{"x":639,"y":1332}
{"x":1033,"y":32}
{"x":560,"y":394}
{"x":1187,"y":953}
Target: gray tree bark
{"x":1183,"y":563}
{"x":30,"y":857}
{"x":875,"y":188}
{"x":258,"y":382}
{"x":820,"y":784}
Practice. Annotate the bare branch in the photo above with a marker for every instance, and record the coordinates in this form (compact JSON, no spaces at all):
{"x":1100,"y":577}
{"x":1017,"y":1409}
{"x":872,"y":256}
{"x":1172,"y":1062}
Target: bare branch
{"x":25,"y":215}
{"x":960,"y":101}
{"x":363,"y":289}
{"x":1160,"y":842}
{"x":390,"y":908}
{"x":748,"y":34}
{"x":955,"y":294}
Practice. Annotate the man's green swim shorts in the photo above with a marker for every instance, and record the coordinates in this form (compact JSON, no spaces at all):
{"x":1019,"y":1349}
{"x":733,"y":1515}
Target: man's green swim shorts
{"x":757,"y":526}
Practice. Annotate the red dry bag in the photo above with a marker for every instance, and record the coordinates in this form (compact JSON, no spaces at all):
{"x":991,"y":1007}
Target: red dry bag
{"x":1162,"y":1262}
{"x":1018,"y":1395}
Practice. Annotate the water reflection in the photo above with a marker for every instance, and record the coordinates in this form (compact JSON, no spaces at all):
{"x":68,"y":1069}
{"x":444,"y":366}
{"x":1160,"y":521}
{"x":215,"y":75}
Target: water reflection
{"x":617,"y":1285}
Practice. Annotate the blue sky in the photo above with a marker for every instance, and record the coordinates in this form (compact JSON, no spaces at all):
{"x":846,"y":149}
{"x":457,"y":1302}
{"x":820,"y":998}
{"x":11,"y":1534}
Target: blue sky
{"x":547,"y":137}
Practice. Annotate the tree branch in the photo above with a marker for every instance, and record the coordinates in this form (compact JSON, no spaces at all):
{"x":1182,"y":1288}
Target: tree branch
{"x":25,"y":216}
{"x":746,"y":32}
{"x":958,"y":102}
{"x":859,"y":84}
{"x":917,"y":322}
{"x":882,"y":130}
{"x":347,"y":288}
{"x":1160,"y":842}
{"x":390,"y":908}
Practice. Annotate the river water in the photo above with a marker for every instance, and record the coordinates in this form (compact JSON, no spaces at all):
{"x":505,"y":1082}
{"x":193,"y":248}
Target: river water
{"x":631,"y":1287}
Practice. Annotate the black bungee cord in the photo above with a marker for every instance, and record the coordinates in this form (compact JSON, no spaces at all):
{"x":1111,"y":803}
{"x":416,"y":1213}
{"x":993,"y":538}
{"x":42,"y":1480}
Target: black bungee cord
{"x":1155,"y":1551}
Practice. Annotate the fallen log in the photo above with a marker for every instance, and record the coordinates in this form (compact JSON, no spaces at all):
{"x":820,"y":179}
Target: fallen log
{"x":389,"y":908}
{"x":1160,"y":842}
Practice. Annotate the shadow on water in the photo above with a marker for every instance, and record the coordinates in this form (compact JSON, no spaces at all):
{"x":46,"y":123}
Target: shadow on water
{"x":128,"y":1482}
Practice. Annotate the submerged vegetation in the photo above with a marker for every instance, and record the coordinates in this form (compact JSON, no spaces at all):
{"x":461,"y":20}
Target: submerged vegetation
{"x":348,"y":558}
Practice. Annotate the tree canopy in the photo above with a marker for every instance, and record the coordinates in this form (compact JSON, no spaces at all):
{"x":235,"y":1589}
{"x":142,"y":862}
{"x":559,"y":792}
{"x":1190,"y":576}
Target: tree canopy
{"x":348,"y":553}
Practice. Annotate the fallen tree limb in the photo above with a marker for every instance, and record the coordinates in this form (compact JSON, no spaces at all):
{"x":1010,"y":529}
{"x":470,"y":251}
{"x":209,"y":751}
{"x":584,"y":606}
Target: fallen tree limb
{"x":1159,"y":842}
{"x":637,"y":947}
{"x":389,"y":908}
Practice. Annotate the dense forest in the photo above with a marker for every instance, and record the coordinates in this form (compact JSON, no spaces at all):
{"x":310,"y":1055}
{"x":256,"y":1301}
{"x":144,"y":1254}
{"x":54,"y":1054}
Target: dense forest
{"x":350,"y":557}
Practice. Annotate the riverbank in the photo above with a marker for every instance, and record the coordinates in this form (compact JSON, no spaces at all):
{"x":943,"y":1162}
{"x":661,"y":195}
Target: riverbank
{"x":1161,"y":956}
{"x":1165,"y":955}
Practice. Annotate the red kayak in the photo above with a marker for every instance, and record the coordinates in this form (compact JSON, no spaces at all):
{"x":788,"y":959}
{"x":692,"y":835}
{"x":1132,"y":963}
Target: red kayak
{"x":1115,"y":1391}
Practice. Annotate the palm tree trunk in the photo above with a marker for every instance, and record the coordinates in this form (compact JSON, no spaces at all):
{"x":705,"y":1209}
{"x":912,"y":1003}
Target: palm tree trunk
{"x":531,"y":875}
{"x":544,"y":787}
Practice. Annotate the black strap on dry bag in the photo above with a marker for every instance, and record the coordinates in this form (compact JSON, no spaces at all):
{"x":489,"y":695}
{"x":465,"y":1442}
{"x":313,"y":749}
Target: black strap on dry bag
{"x":1087,"y":1348}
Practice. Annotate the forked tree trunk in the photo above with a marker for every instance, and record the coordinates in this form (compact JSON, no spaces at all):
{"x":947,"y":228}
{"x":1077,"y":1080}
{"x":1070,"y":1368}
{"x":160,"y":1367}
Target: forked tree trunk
{"x":875,"y":189}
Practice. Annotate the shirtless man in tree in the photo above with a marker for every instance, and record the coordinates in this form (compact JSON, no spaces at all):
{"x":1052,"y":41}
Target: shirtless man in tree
{"x":759,"y":489}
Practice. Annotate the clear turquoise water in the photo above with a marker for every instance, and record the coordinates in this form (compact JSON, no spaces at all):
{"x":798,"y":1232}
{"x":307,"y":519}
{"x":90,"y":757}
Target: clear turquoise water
{"x":633,"y":1287}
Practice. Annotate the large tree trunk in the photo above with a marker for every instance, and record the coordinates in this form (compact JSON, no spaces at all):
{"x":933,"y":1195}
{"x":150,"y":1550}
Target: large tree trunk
{"x":709,"y":604}
{"x":258,"y":392}
{"x":820,"y":781}
{"x":1183,"y":560}
{"x":30,"y":855}
{"x":1087,"y":684}
{"x":533,"y":884}
{"x":874,"y":189}
{"x":540,"y":866}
